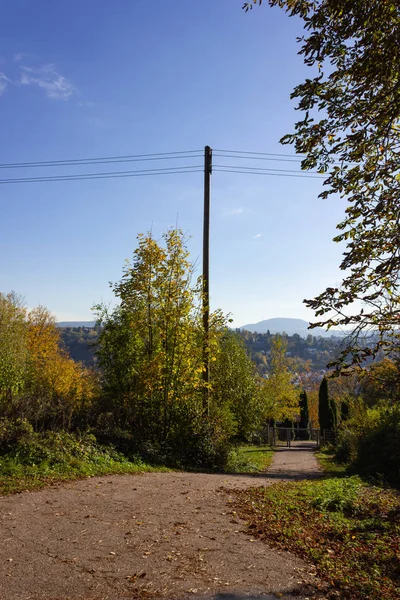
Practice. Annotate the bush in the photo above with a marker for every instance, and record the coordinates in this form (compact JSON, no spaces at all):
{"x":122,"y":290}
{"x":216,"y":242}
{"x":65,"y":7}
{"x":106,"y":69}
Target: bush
{"x":346,"y":445}
{"x":378,"y":452}
{"x":207,"y":448}
{"x":194,"y":441}
{"x":370,"y":444}
{"x":200,"y":442}
{"x":13,"y":431}
{"x":60,"y":448}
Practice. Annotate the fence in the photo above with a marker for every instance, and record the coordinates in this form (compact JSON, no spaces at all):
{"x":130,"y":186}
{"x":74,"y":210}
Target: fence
{"x":284,"y":436}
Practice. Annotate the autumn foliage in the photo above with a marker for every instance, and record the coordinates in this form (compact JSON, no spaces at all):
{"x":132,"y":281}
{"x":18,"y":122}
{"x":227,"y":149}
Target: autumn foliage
{"x":38,"y":381}
{"x":147,"y":394}
{"x":150,"y":354}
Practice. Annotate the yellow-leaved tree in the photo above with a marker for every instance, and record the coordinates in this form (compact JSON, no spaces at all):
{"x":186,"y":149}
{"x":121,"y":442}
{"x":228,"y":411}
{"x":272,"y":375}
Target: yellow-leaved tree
{"x":280,"y":398}
{"x":56,"y":386}
{"x":13,"y":350}
{"x":150,"y":354}
{"x":150,"y":346}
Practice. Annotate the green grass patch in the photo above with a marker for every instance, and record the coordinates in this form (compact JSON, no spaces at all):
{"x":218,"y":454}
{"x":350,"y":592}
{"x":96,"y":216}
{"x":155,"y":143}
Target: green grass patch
{"x":43,"y":459}
{"x":348,"y":530}
{"x":326,"y":458}
{"x":249,"y":459}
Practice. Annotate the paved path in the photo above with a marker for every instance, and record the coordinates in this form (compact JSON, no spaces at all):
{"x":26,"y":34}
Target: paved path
{"x":173,"y":535}
{"x":298,"y":462}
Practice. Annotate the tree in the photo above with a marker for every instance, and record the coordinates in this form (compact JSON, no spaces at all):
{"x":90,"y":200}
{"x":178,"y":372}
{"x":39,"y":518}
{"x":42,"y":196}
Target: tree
{"x":350,"y":130}
{"x":326,"y":407}
{"x":343,"y":395}
{"x":150,"y":354}
{"x":150,"y":346}
{"x":234,"y":384}
{"x":380,"y":383}
{"x":38,"y":381}
{"x":13,"y":348}
{"x":280,"y":398}
{"x":304,"y":418}
{"x":56,"y":387}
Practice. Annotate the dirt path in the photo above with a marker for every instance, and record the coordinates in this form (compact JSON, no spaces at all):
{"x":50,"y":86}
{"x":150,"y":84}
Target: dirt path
{"x":159,"y":534}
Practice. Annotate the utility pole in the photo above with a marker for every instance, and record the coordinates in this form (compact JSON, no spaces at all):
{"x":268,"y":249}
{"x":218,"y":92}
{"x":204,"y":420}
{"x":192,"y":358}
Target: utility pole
{"x":206,"y":276}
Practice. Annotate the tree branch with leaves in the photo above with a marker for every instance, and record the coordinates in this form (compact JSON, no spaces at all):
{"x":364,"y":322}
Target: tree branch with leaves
{"x":350,"y":131}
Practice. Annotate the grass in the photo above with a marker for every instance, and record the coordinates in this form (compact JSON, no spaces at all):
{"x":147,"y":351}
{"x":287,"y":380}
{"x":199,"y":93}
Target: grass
{"x":46,"y":459}
{"x":249,"y":459}
{"x":21,"y":477}
{"x":37,"y":460}
{"x":326,"y":458}
{"x":349,"y":531}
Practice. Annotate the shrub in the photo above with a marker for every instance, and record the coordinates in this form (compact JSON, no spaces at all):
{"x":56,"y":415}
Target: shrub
{"x":346,"y":445}
{"x":60,"y":448}
{"x":378,"y":452}
{"x":338,"y":495}
{"x":13,"y":431}
{"x":370,"y":443}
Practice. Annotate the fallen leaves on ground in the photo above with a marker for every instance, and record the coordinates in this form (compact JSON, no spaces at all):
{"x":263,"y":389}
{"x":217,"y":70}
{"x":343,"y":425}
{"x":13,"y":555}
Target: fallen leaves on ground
{"x":352,"y":539}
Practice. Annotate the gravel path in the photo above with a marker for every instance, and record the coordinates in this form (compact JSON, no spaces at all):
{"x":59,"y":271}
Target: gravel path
{"x":173,"y":535}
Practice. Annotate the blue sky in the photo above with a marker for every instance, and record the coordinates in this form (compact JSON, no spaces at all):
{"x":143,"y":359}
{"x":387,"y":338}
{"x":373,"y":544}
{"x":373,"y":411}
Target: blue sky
{"x":98,"y":78}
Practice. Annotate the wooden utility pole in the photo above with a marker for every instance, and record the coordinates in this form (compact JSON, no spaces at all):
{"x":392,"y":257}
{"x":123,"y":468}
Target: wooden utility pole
{"x":206,"y":275}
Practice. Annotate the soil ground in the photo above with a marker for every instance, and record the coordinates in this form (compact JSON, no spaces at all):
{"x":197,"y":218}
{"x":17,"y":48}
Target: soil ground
{"x":170,"y":535}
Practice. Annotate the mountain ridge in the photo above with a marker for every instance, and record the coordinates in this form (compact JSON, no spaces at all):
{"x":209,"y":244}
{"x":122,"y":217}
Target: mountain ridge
{"x":288,"y":325}
{"x":76,"y":324}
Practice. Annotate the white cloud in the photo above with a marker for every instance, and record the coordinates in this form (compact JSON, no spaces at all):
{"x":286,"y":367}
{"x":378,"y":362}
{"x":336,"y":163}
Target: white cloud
{"x":46,"y":77}
{"x":18,"y":56}
{"x":233,"y":212}
{"x":3,"y":83}
{"x":255,"y":237}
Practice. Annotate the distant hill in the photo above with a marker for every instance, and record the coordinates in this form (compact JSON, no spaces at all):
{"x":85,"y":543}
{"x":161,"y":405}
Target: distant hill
{"x":289,"y":326}
{"x":280,"y":325}
{"x":76,"y":324}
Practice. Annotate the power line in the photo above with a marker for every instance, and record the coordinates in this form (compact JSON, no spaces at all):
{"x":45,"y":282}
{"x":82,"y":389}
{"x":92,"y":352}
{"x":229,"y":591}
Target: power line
{"x":261,"y":170}
{"x":110,"y":160}
{"x":110,"y":175}
{"x":271,"y":156}
{"x":104,"y":159}
{"x":242,"y":157}
{"x":219,"y":170}
{"x":149,"y":157}
{"x":160,"y":156}
{"x":162,"y":171}
{"x":166,"y":170}
{"x":258,"y":153}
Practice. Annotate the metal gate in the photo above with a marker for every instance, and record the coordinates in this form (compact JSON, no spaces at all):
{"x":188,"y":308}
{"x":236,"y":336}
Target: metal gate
{"x":284,"y":436}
